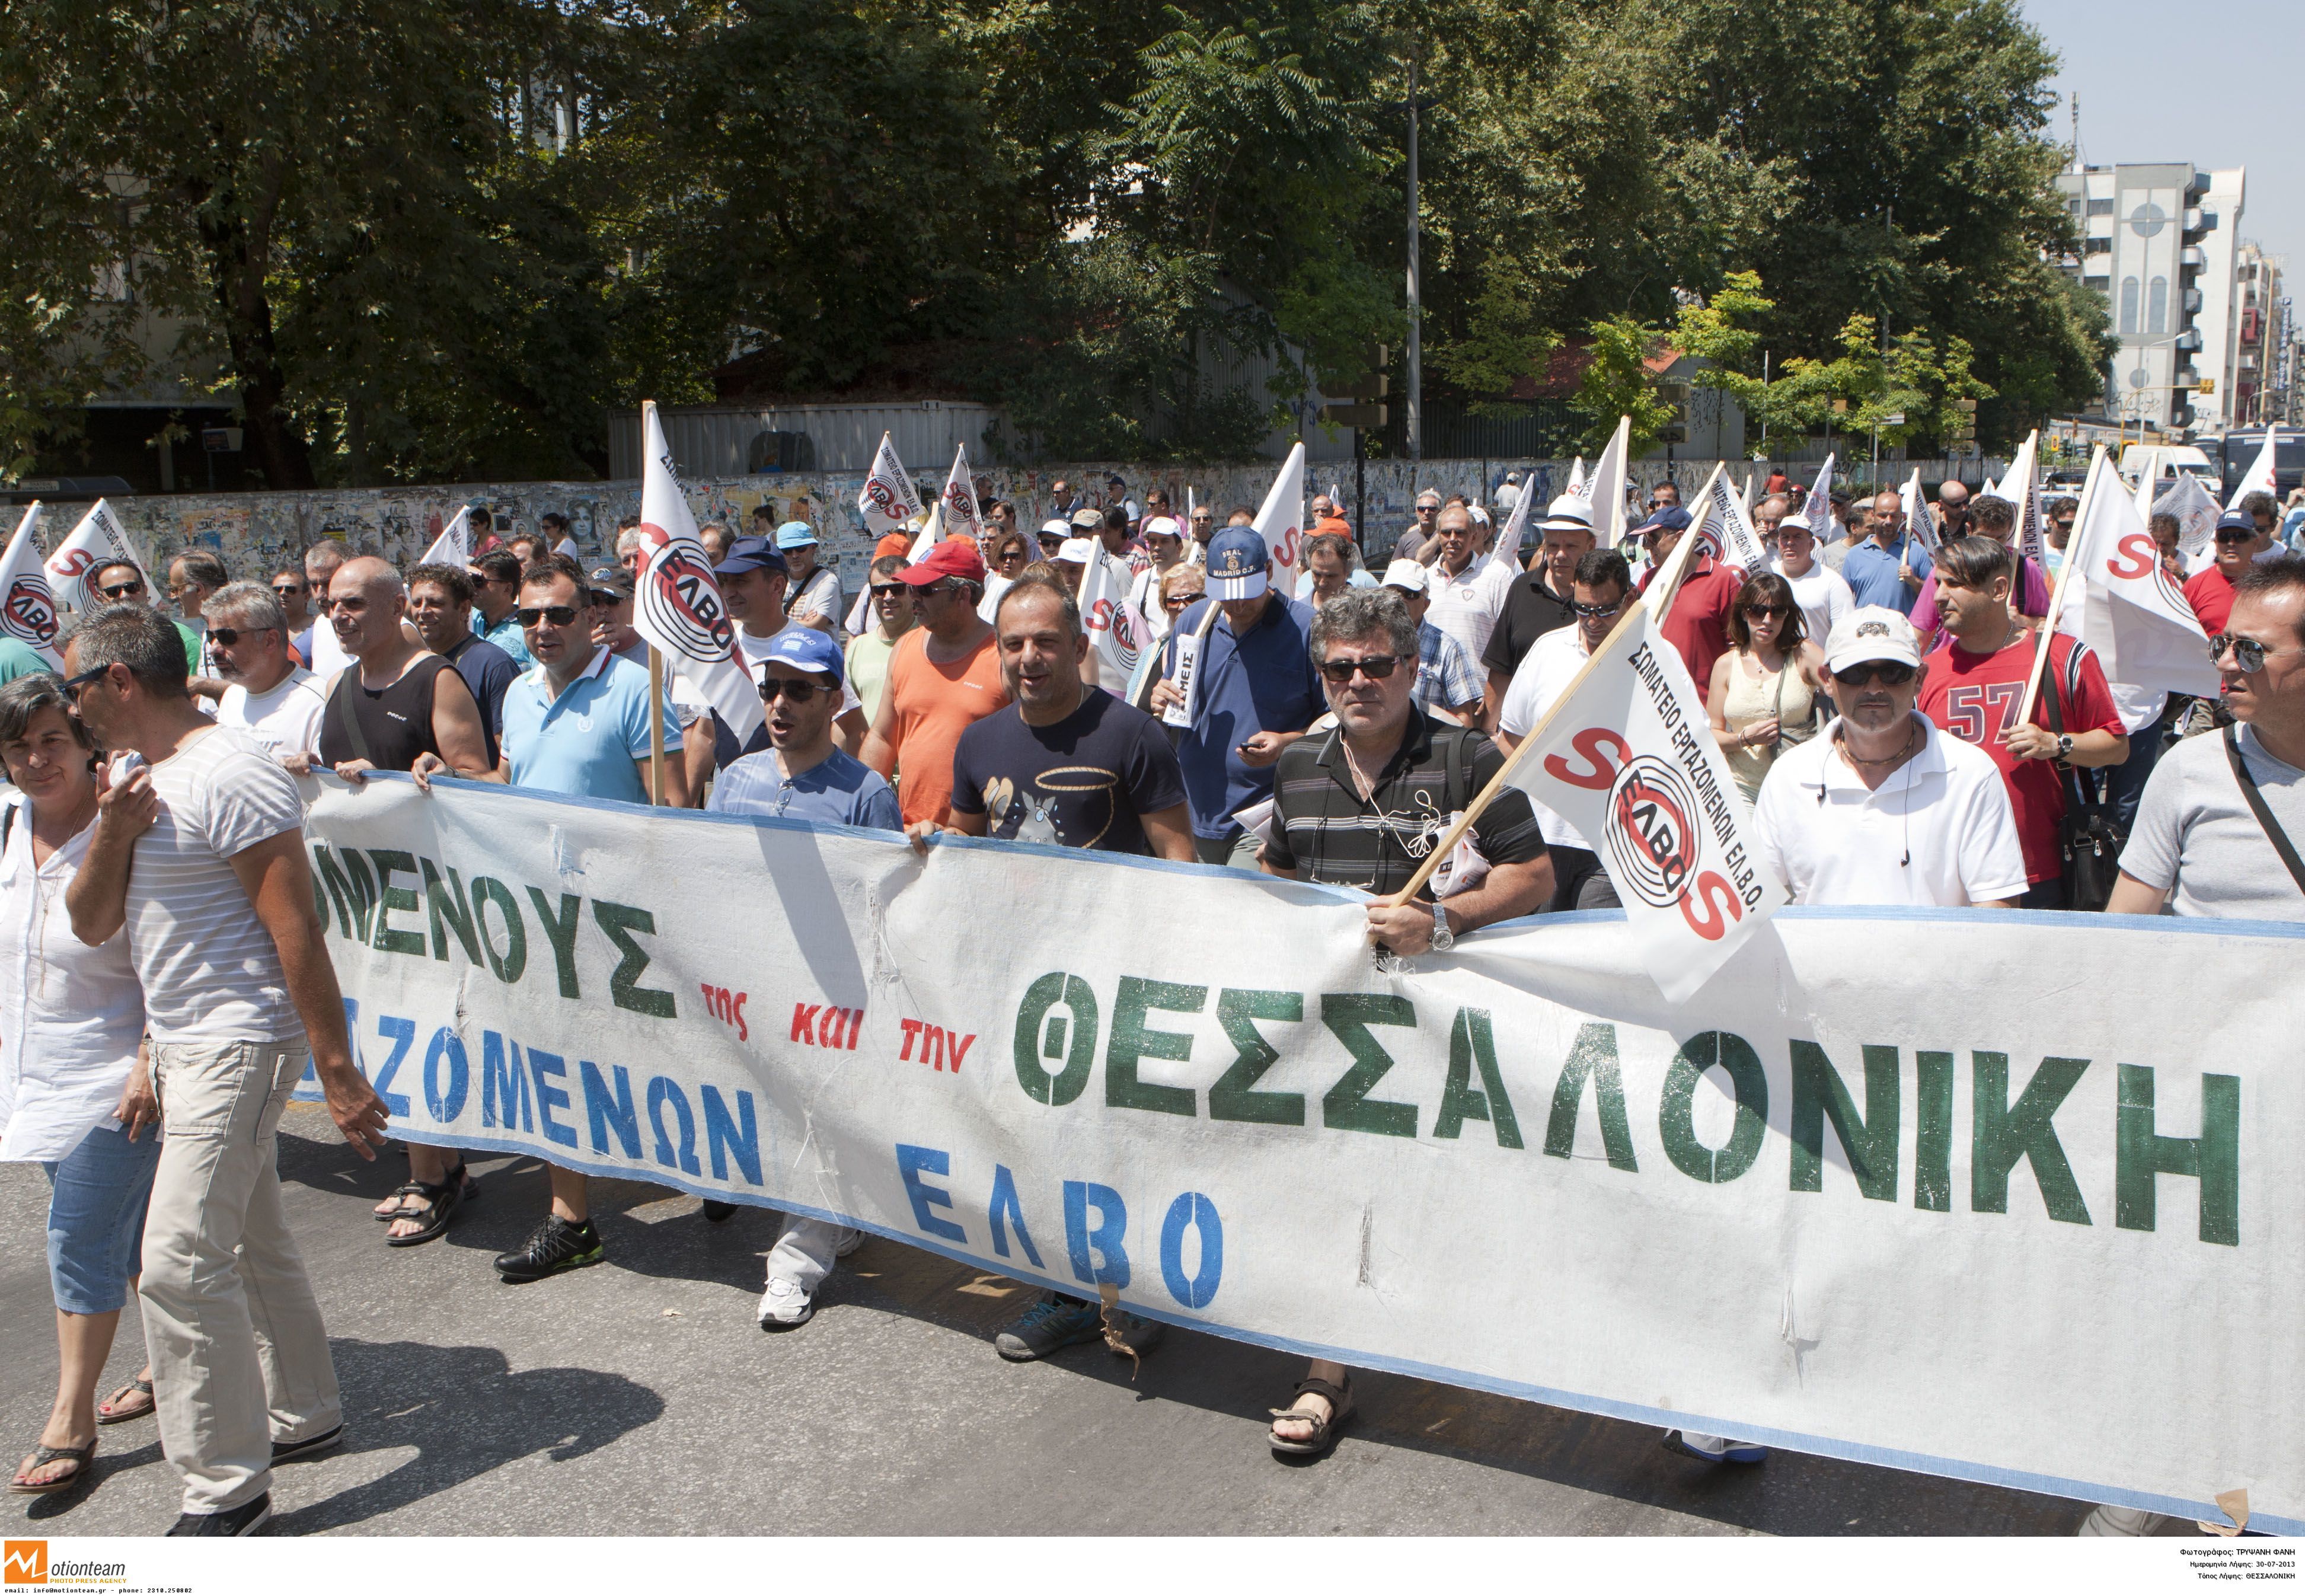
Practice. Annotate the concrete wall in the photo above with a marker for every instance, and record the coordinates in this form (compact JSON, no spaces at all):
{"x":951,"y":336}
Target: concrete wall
{"x":257,"y":533}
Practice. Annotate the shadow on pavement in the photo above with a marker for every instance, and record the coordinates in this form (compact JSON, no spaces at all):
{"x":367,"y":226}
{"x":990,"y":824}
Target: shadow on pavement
{"x":473,"y":1414}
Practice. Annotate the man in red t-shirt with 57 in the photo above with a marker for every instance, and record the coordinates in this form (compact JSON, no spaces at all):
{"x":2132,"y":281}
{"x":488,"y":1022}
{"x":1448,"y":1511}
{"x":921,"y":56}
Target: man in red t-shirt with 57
{"x":1976,"y":681}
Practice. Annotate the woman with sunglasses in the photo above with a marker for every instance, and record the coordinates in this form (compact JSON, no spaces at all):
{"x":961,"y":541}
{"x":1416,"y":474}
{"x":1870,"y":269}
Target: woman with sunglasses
{"x":75,"y":1090}
{"x":1767,"y":690}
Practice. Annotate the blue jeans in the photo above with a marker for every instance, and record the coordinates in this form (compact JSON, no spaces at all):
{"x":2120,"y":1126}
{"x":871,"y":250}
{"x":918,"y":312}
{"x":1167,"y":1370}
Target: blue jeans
{"x":97,"y":1194}
{"x":2124,"y":784}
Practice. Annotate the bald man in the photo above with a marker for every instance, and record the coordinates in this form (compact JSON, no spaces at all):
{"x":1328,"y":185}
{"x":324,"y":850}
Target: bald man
{"x":396,"y":706}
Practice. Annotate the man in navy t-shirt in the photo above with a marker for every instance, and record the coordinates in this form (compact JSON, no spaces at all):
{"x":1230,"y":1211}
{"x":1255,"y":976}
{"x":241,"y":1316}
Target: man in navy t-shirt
{"x":440,"y":603}
{"x":1064,"y":764}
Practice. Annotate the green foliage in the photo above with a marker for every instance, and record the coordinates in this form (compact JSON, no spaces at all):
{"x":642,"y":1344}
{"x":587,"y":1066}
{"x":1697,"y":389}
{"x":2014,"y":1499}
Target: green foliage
{"x":1143,"y":227}
{"x":1618,"y":385}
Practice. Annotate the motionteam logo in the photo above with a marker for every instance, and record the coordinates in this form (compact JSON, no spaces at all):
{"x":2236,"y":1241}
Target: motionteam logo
{"x":25,"y":1563}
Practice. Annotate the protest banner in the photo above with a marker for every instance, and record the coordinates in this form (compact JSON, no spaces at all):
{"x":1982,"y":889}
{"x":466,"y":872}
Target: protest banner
{"x":1120,"y":637}
{"x":1920,"y":515}
{"x":888,"y":501}
{"x":1729,"y":533}
{"x":1281,"y":521}
{"x":1816,"y":512}
{"x":1846,"y":1204}
{"x":28,"y":607}
{"x":958,"y":499}
{"x":2020,"y":486}
{"x":454,"y":546}
{"x":96,"y":541}
{"x":1604,"y":489}
{"x":678,"y":609}
{"x":1506,"y":546}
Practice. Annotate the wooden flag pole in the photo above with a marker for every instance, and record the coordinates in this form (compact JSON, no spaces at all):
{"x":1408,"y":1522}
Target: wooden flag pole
{"x":1669,"y":579}
{"x":2057,"y":598}
{"x":656,"y":728}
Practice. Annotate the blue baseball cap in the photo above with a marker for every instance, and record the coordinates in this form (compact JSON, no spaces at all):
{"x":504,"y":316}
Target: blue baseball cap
{"x":796,"y":534}
{"x":752,"y":554}
{"x":1236,"y":563}
{"x":2236,"y":521}
{"x":1672,"y":518}
{"x":805,"y":649}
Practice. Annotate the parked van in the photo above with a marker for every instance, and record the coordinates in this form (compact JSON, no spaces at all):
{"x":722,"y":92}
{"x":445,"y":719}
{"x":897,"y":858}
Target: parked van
{"x":2237,"y":452}
{"x":2176,"y":460}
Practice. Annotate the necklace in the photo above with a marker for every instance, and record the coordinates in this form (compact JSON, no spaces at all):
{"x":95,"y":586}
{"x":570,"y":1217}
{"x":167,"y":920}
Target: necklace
{"x":1906,"y":753}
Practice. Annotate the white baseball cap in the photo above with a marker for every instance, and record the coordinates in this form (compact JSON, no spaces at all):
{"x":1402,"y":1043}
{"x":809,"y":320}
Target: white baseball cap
{"x":1408,"y":576}
{"x":1872,"y":632}
{"x":1163,"y":526}
{"x":1077,"y":551}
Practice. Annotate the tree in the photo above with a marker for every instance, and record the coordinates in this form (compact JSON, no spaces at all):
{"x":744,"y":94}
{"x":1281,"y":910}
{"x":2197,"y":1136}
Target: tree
{"x":1618,"y":384}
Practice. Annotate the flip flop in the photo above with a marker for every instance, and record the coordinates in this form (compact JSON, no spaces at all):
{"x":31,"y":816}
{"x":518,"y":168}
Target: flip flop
{"x":81,"y":1456}
{"x":106,"y":1414}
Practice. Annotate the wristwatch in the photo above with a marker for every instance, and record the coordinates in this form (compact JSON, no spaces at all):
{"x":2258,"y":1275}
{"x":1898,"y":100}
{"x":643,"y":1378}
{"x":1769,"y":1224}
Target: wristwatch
{"x":1443,"y":938}
{"x":2064,"y":744}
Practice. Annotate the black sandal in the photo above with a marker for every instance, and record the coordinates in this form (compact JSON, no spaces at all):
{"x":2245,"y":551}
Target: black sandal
{"x":146,"y":1412}
{"x":472,"y":1190}
{"x":1324,"y":1430}
{"x":42,"y":1456}
{"x":439,"y":1203}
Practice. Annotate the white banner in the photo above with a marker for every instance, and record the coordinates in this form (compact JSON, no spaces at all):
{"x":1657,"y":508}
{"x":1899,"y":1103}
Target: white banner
{"x":454,"y":546}
{"x":1604,"y":489}
{"x":2134,"y":613}
{"x":1119,"y":637}
{"x":677,"y":607}
{"x":1506,"y":546}
{"x":1920,"y":515}
{"x":1849,"y":1203}
{"x":28,"y":607}
{"x":1729,"y":532}
{"x":2020,"y":486}
{"x":1816,"y":512}
{"x":960,"y":498}
{"x":1281,"y":521}
{"x":97,"y":541}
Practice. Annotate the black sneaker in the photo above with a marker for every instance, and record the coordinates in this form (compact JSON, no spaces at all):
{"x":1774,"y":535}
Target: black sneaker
{"x":716,"y":1210}
{"x":555,"y":1245}
{"x":244,"y":1520}
{"x":311,"y":1446}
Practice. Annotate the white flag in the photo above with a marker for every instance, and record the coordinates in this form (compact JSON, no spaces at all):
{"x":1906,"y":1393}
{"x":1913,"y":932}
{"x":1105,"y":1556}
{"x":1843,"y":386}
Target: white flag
{"x":1281,"y":521}
{"x":2019,"y":488}
{"x":1728,"y":532}
{"x":679,"y":608}
{"x":1816,"y":510}
{"x":1746,"y":497}
{"x":1576,"y":478}
{"x":1920,"y":517}
{"x":28,"y":608}
{"x":1509,"y":541}
{"x":2259,"y":477}
{"x":2134,"y":615}
{"x":1120,"y":638}
{"x":454,"y":546}
{"x":888,"y":501}
{"x":1629,"y":759}
{"x":1604,"y":489}
{"x":960,"y":498}
{"x":97,"y":541}
{"x":2197,"y":518}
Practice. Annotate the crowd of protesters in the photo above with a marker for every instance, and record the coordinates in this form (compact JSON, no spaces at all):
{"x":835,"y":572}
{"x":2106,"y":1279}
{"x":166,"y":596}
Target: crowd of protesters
{"x":168,"y":980}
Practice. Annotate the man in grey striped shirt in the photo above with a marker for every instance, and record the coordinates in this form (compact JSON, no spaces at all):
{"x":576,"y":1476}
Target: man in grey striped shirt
{"x":202,"y":855}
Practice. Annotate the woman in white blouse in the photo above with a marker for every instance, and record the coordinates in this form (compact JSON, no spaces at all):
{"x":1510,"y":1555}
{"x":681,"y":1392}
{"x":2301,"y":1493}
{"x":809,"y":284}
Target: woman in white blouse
{"x":74,"y":1094}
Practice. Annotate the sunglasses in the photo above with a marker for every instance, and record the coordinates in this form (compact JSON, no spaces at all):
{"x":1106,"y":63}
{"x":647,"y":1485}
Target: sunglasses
{"x":1759,"y":610}
{"x":2248,"y":653}
{"x":1179,"y":600}
{"x":285,"y":590}
{"x":1594,"y":612}
{"x":74,"y":685}
{"x":126,"y":589}
{"x":2234,"y":535}
{"x":1889,"y":673}
{"x":887,"y":590}
{"x":1376,"y":668}
{"x":775,"y":687}
{"x":559,"y":614}
{"x":228,"y":635}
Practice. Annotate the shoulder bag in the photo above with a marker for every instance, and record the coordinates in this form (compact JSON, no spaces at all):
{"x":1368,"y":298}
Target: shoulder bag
{"x":2086,"y":838}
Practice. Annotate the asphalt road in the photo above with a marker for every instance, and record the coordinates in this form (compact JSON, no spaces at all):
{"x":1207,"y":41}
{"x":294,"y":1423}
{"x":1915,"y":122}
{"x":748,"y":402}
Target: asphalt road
{"x":638,"y":1397}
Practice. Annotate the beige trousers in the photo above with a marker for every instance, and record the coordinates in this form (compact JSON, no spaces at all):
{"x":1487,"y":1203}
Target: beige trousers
{"x":239,"y":1354}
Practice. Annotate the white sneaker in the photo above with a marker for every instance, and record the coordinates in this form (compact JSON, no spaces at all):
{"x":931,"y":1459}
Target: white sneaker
{"x":850,"y":1240}
{"x":785,"y":1306}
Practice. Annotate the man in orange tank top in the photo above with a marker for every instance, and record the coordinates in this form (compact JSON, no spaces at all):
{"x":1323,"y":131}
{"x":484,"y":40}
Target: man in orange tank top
{"x":944,"y":676}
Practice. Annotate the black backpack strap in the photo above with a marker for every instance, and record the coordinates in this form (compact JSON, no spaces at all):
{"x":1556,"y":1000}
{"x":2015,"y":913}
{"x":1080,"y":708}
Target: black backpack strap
{"x":2258,"y":807}
{"x":347,"y":683}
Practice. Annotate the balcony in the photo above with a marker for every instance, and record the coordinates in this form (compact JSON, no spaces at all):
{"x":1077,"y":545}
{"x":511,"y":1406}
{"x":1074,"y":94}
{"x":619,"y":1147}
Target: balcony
{"x":2191,"y":259}
{"x":2190,"y":338}
{"x":2198,"y":221}
{"x":2191,"y":300}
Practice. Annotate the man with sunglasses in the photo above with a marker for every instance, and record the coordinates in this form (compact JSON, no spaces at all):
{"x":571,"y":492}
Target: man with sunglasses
{"x":801,"y":776}
{"x":893,"y":616}
{"x":1975,"y":681}
{"x":1420,"y":533}
{"x":496,"y":595}
{"x":1540,"y":600}
{"x":295,"y":594}
{"x":1361,"y":806}
{"x":2210,"y":591}
{"x":1952,"y":510}
{"x":1882,"y":807}
{"x":943,"y":677}
{"x":1202,"y":526}
{"x":1600,"y":588}
{"x":267,"y":695}
{"x":124,"y":583}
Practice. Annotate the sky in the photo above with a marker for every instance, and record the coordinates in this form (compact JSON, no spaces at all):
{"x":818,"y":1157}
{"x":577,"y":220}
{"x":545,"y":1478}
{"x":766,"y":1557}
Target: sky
{"x":2209,"y":82}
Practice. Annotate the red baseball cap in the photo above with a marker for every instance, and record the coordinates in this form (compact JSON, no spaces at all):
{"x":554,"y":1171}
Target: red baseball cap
{"x":955,"y":559}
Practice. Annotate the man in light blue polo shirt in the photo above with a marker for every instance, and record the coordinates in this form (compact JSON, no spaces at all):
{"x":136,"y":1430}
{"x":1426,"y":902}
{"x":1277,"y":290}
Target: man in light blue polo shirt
{"x":1253,"y":692}
{"x":801,"y":776}
{"x":576,"y":724}
{"x":1888,"y":566}
{"x":579,"y":722}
